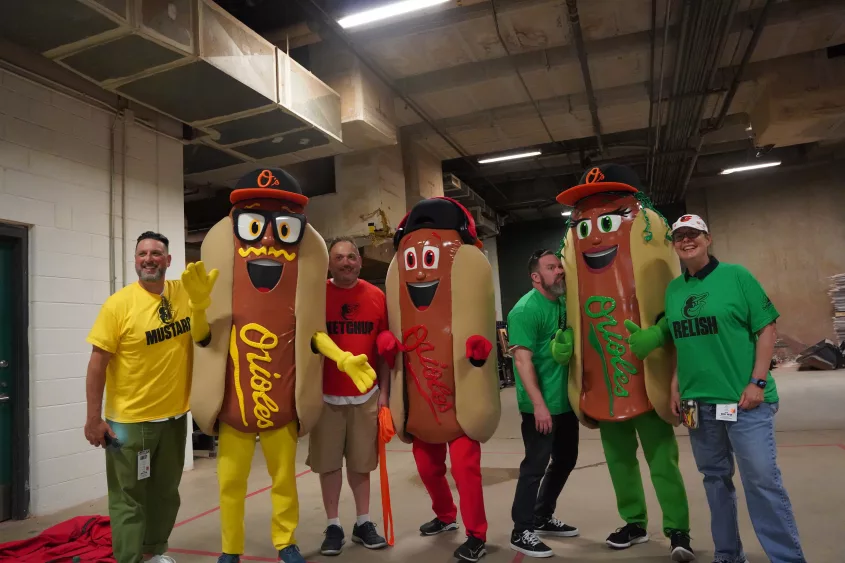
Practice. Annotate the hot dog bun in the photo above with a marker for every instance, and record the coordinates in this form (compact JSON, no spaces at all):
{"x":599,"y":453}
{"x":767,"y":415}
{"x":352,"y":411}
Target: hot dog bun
{"x":397,"y":374}
{"x":310,"y":311}
{"x":477,"y":402}
{"x":209,"y":369}
{"x":655,"y":265}
{"x":210,"y":362}
{"x":573,"y":320}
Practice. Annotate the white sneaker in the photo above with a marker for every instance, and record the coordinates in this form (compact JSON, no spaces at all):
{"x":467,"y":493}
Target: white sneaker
{"x":161,"y":559}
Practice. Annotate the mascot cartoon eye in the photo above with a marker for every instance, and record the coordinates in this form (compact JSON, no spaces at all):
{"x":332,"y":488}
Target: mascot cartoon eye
{"x":410,"y":259}
{"x":288,"y":228}
{"x":250,"y":226}
{"x":431,"y":257}
{"x":584,"y":228}
{"x":609,"y":223}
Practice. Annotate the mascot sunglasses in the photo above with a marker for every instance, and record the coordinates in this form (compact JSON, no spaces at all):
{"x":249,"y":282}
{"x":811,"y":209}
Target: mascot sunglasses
{"x":250,"y":224}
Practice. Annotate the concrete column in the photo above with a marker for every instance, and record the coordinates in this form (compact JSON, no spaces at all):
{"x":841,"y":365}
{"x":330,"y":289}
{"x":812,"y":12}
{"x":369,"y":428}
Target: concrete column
{"x":423,"y":172}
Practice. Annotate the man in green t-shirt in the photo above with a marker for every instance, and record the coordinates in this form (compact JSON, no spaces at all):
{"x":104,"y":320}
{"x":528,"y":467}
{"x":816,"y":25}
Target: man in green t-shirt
{"x":549,"y":427}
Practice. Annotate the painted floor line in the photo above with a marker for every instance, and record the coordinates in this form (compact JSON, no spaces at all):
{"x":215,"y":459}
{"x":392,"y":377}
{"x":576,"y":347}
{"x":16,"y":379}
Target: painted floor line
{"x":216,"y":508}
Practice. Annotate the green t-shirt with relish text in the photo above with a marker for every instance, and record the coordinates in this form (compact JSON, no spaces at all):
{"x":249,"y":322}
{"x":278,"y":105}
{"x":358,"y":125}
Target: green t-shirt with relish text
{"x":532,"y":323}
{"x":714,"y":317}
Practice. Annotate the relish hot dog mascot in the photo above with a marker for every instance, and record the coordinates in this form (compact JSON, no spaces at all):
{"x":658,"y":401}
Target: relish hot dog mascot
{"x":444,"y":387}
{"x":259,"y":323}
{"x":619,"y":260}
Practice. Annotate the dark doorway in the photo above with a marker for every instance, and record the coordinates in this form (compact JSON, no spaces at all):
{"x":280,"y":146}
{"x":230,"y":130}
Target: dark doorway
{"x":14,"y":373}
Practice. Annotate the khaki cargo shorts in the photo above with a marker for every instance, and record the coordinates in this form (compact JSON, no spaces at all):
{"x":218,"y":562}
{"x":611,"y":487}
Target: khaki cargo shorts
{"x":349,"y":431}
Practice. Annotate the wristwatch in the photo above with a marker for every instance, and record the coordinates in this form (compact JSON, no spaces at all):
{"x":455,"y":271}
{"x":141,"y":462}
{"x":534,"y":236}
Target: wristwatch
{"x":761,"y":383}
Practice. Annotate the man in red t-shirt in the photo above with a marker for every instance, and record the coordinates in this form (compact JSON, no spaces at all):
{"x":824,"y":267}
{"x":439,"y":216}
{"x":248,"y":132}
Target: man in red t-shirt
{"x":356,"y":312}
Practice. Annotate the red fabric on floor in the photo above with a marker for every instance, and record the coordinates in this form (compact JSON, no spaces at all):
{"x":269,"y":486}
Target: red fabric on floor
{"x":86,"y":537}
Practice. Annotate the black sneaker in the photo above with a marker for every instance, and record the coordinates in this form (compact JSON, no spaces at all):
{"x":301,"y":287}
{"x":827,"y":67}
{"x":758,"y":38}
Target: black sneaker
{"x":436,"y":526}
{"x":366,"y":535}
{"x":527,"y":543}
{"x":681,"y":550}
{"x":627,"y":536}
{"x":471,"y":550}
{"x":554,"y":527}
{"x":334,"y":541}
{"x":228,"y":558}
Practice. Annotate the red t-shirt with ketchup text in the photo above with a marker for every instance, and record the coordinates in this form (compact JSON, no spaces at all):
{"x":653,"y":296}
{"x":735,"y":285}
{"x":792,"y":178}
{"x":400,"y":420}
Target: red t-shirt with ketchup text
{"x":354,"y":318}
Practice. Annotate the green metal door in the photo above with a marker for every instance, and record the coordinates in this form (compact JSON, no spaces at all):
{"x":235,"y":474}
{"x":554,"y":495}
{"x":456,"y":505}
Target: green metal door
{"x":6,"y":381}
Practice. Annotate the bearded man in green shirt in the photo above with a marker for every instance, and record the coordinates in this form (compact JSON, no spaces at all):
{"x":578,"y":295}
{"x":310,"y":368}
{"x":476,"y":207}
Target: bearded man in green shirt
{"x":549,"y":427}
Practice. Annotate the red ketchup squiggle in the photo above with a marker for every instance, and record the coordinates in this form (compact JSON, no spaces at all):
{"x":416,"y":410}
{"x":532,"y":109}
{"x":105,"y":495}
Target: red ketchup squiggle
{"x":440,"y":398}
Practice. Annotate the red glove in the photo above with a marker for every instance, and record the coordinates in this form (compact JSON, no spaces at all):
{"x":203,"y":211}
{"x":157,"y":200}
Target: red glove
{"x":478,"y":348}
{"x":388,"y":347}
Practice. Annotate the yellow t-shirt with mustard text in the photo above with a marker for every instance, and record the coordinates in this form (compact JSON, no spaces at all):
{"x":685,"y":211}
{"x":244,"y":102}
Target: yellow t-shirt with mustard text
{"x":149,"y":375}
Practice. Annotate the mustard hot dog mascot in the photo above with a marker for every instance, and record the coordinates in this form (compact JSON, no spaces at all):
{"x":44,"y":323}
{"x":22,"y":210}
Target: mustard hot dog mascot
{"x":444,"y":386}
{"x":259,"y":323}
{"x":619,"y":260}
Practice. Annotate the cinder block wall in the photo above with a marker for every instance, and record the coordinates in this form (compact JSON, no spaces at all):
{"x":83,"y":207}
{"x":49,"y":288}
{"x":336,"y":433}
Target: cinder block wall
{"x":54,"y":177}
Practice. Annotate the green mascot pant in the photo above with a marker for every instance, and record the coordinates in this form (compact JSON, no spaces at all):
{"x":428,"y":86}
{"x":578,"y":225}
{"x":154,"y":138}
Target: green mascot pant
{"x":660,"y":447}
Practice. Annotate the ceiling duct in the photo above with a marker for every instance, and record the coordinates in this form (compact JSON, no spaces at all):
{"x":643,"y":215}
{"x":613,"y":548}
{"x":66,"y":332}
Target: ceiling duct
{"x":193,"y":61}
{"x":487,"y":221}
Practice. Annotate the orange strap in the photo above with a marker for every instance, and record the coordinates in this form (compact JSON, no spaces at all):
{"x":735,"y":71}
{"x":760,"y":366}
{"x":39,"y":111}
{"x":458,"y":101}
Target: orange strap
{"x":385,"y":433}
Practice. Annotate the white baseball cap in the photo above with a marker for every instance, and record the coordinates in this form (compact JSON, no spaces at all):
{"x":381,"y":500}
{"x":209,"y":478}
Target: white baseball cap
{"x":691,"y":221}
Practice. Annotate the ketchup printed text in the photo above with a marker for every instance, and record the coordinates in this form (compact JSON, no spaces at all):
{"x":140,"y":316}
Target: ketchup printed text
{"x":441,"y":397}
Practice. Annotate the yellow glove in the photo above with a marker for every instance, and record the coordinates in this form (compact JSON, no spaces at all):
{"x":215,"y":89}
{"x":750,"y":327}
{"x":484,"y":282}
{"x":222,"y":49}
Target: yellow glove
{"x":198,"y":286}
{"x":356,"y":367}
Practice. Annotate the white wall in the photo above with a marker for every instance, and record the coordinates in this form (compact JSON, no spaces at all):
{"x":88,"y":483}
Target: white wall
{"x":54,"y":177}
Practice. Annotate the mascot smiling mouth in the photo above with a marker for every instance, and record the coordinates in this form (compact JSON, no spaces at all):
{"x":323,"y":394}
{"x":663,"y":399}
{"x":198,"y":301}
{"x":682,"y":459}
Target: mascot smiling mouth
{"x":422,"y":293}
{"x":600,"y":258}
{"x":264,"y":274}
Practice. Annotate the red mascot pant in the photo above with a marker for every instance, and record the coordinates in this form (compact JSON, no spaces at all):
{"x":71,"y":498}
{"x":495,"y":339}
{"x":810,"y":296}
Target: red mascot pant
{"x":465,"y":455}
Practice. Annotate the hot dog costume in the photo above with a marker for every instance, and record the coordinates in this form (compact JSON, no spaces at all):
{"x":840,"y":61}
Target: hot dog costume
{"x":445,"y":388}
{"x":258,"y":318}
{"x":618,"y":258}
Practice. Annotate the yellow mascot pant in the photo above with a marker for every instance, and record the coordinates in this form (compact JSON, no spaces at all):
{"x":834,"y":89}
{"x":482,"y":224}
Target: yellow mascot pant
{"x":234,"y":460}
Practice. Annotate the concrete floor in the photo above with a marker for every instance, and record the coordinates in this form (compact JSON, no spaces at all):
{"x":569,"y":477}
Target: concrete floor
{"x":811,"y":449}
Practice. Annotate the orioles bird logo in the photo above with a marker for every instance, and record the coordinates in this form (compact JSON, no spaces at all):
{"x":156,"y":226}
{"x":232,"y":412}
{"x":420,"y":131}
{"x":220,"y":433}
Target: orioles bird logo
{"x":693,"y":305}
{"x":595,"y":175}
{"x":348,"y":310}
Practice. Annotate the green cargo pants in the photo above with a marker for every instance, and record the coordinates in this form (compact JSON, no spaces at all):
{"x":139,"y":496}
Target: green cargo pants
{"x":143,"y":512}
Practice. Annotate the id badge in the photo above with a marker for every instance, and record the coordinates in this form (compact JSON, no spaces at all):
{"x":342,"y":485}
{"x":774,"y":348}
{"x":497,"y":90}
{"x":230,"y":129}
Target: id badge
{"x":726,"y":412}
{"x":143,"y":464}
{"x":689,"y":414}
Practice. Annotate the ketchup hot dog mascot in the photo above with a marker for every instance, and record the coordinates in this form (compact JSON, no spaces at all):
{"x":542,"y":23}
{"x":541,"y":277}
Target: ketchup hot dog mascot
{"x":444,"y":389}
{"x":619,"y":260}
{"x":259,"y":323}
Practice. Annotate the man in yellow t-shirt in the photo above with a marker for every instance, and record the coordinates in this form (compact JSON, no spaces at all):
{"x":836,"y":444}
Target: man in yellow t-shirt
{"x":142,"y":355}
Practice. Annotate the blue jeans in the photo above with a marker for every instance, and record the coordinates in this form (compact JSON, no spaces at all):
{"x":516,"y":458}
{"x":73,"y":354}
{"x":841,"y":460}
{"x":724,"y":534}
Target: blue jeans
{"x":752,"y":440}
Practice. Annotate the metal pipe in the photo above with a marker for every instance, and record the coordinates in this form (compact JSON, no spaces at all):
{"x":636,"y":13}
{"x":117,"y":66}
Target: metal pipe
{"x":575,"y":28}
{"x":752,"y":44}
{"x":651,"y":75}
{"x":658,"y":126}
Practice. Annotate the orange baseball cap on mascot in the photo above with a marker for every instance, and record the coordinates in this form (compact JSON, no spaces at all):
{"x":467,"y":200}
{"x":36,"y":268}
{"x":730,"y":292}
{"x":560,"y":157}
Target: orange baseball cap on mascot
{"x":270,"y":183}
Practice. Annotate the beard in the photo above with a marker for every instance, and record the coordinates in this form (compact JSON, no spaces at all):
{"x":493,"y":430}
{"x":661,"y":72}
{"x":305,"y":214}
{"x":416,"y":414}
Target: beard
{"x":557,"y":288}
{"x":150,"y":276}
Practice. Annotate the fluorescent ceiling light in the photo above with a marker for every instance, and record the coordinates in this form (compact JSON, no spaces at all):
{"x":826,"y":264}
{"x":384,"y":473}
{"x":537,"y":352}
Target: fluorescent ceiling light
{"x":565,"y":213}
{"x":749,"y":167}
{"x":387,"y":11}
{"x":510,"y":157}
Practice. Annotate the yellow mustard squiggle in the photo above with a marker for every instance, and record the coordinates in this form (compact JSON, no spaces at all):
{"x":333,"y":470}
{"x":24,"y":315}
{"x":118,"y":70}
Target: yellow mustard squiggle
{"x":263,"y":251}
{"x":233,"y":352}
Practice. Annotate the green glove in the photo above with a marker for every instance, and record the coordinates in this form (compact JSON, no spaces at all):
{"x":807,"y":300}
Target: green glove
{"x":644,"y":341}
{"x":562,"y":346}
